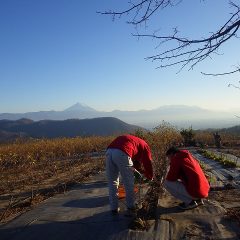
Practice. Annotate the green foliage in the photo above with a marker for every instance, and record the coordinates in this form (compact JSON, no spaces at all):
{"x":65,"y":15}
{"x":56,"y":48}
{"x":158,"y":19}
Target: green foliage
{"x":202,"y":165}
{"x":188,"y":136}
{"x":221,"y":159}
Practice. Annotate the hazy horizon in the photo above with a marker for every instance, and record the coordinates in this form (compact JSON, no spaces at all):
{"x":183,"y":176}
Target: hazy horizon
{"x":134,"y":110}
{"x":177,"y":115}
{"x":140,"y":109}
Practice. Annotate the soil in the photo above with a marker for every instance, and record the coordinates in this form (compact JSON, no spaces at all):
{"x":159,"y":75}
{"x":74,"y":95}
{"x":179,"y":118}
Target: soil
{"x":218,"y":218}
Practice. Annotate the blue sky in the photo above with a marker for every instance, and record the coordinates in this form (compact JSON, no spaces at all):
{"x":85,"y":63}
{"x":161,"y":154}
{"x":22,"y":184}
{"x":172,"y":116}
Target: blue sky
{"x":54,"y":53}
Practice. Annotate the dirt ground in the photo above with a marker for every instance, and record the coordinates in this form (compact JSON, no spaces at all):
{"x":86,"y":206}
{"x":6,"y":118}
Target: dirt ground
{"x":218,"y":218}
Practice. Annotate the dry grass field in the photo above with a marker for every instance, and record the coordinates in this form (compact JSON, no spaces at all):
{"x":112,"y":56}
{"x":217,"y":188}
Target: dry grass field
{"x":34,"y":170}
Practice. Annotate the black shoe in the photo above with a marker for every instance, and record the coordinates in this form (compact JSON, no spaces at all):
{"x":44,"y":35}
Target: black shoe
{"x":115,"y":211}
{"x":191,"y":205}
{"x":199,"y":201}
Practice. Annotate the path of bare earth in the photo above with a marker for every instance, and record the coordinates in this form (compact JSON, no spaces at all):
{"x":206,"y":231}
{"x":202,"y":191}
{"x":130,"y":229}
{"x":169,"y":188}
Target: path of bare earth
{"x":83,"y":213}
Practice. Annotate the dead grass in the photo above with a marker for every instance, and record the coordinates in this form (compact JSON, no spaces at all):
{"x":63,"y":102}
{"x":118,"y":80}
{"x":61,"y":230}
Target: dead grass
{"x":17,"y":201}
{"x":160,"y":139}
{"x":32,"y":171}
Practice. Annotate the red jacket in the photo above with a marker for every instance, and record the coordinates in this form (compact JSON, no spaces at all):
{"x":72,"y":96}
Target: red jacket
{"x":185,"y":167}
{"x":138,"y":150}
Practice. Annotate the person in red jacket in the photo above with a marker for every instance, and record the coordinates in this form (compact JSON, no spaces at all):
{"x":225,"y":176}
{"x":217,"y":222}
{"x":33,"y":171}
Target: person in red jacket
{"x":123,"y":155}
{"x":185,"y":179}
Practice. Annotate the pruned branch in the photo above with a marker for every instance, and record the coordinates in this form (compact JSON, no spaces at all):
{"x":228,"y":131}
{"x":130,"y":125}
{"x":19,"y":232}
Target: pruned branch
{"x":179,"y":50}
{"x":221,"y":74}
{"x":230,"y":84}
{"x":191,"y":52}
{"x":142,"y":9}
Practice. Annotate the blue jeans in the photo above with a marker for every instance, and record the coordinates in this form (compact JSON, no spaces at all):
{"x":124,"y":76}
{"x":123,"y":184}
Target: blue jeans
{"x":118,"y":162}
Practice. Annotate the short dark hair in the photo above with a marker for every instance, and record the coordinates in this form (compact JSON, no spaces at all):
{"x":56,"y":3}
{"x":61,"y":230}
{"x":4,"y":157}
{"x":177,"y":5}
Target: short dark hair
{"x":172,"y":150}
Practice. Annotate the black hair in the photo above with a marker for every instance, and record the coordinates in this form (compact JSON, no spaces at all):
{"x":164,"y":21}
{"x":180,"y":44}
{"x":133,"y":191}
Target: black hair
{"x":172,"y":150}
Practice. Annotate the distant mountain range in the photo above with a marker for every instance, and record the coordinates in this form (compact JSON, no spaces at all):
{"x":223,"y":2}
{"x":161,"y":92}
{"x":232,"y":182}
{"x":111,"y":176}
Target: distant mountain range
{"x":107,"y":126}
{"x":178,"y":115}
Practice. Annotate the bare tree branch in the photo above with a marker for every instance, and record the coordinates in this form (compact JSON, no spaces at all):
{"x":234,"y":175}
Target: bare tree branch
{"x":189,"y":54}
{"x":144,"y":9}
{"x":221,"y":74}
{"x":230,"y":84}
{"x":180,"y":50}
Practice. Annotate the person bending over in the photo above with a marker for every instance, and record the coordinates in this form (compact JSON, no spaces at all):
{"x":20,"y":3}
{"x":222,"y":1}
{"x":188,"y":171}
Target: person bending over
{"x":123,"y":155}
{"x":185,"y":179}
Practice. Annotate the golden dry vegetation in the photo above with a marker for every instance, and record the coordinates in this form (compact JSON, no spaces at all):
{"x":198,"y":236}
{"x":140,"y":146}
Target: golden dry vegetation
{"x":33,"y":170}
{"x":29,"y":163}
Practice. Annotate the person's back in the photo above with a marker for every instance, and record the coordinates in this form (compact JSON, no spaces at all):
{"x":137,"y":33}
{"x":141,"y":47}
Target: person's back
{"x":191,"y":174}
{"x":129,"y":144}
{"x":138,"y":150}
{"x":185,"y":179}
{"x":123,"y":155}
